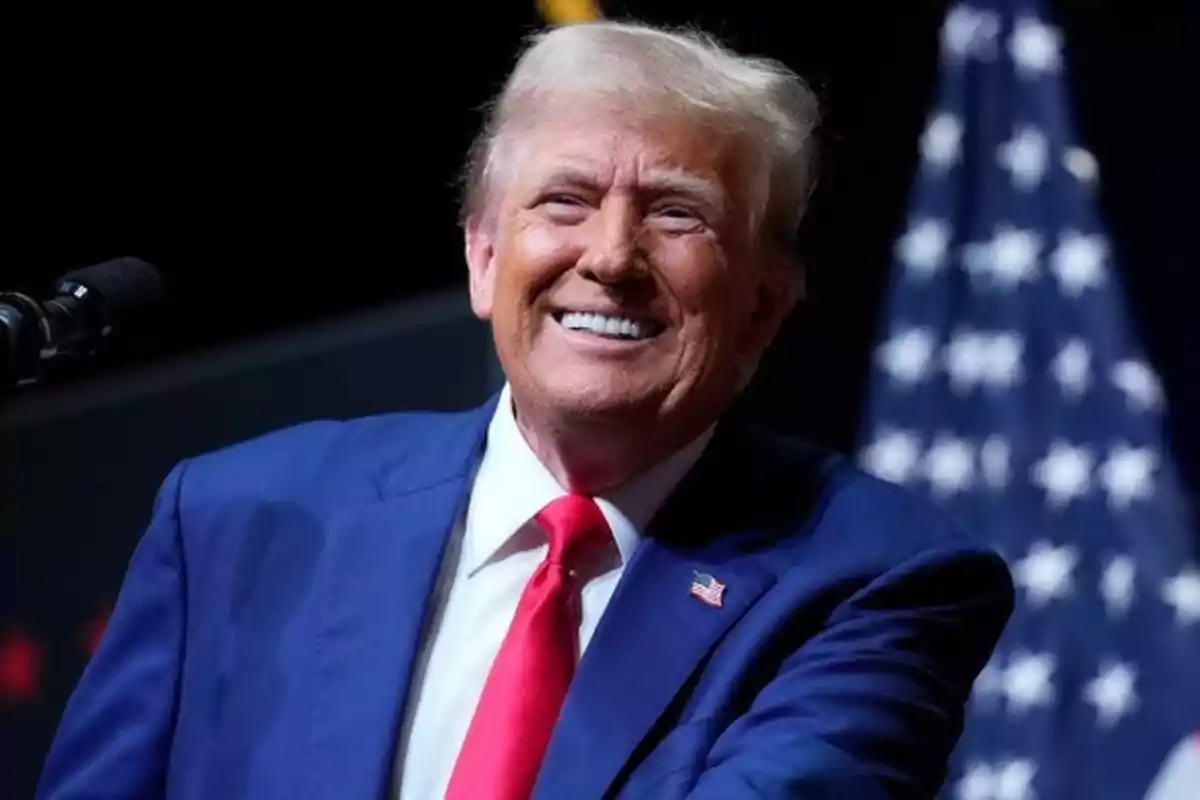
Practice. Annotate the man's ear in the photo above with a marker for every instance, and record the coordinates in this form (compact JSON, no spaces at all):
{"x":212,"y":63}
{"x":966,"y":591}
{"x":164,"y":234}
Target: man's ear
{"x":481,"y":258}
{"x":780,"y":287}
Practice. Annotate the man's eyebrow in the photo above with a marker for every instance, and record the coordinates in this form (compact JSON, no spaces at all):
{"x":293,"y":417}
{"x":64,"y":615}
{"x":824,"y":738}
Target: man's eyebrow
{"x":678,"y":181}
{"x":574,"y":175}
{"x":659,"y":181}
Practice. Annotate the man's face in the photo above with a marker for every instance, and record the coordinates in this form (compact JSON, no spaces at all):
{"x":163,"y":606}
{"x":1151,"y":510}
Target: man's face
{"x":620,"y":272}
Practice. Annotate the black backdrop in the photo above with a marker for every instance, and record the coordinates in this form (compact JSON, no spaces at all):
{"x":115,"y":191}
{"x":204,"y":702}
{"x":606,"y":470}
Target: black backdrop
{"x":253,"y":156}
{"x":287,"y":169}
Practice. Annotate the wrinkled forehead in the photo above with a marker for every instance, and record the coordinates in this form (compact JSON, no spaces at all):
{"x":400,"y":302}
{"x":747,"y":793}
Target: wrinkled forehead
{"x":626,"y":149}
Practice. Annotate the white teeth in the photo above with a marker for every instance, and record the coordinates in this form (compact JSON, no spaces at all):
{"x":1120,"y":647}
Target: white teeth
{"x":604,"y":325}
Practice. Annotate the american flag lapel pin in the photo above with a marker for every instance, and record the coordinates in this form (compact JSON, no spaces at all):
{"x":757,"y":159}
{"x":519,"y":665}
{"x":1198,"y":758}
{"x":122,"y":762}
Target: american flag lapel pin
{"x":707,"y":589}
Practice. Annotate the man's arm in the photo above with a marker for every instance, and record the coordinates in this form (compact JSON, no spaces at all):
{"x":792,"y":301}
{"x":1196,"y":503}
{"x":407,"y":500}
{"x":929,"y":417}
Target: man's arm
{"x":115,"y":735}
{"x":872,"y":706}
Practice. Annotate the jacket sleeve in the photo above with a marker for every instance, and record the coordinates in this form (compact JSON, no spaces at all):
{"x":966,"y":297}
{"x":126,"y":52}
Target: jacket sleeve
{"x":873,"y":705}
{"x":115,"y":735}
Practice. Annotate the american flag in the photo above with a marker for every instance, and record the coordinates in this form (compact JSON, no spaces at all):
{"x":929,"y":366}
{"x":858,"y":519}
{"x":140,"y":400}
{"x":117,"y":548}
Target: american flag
{"x":707,"y":589}
{"x":1009,"y":386}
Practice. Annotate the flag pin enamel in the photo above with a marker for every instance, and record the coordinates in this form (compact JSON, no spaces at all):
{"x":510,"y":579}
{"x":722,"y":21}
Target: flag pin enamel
{"x":707,"y":589}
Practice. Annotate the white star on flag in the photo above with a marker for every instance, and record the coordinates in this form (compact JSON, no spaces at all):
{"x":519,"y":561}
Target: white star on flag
{"x":908,"y":355}
{"x":970,"y":32}
{"x":1112,"y":692}
{"x":949,"y":465}
{"x":1014,"y":780}
{"x":1117,"y":584}
{"x":1026,"y":156}
{"x":893,"y":456}
{"x":1078,"y":262}
{"x":1045,"y":573}
{"x":941,"y":142}
{"x":1072,"y":368}
{"x":1005,"y":261}
{"x":1127,"y":474}
{"x":1065,"y":473}
{"x":1035,"y":47}
{"x":1140,"y":385}
{"x":973,"y":358}
{"x":1081,"y":164}
{"x":1182,"y":592}
{"x":1029,"y":681}
{"x":977,"y":783}
{"x":923,"y":248}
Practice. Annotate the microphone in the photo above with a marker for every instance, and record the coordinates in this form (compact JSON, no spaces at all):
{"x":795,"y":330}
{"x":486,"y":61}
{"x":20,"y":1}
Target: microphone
{"x":88,"y":306}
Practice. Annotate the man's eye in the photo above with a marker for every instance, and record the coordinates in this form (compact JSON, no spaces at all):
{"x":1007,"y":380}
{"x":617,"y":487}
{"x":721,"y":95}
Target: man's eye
{"x":678,"y":218}
{"x":677,"y":211}
{"x":559,"y":198}
{"x":566,"y":209}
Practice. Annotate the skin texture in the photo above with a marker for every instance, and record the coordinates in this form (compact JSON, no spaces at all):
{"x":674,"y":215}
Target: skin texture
{"x":606,"y":210}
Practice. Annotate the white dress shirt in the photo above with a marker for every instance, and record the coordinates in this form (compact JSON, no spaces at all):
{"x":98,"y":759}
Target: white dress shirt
{"x":494,"y":552}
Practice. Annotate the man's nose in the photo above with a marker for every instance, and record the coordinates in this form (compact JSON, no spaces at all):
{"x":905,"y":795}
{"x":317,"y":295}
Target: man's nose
{"x":612,"y":249}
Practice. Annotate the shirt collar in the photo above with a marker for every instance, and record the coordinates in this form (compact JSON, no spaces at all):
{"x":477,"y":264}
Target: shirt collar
{"x":512,"y":485}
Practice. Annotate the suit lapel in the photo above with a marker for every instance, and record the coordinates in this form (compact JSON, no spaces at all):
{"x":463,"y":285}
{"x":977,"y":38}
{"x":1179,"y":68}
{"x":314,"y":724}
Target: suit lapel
{"x":654,"y":632}
{"x":382,"y":570}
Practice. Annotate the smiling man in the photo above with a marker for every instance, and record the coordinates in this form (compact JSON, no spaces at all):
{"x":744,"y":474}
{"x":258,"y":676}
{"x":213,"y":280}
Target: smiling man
{"x":622,"y":268}
{"x":600,"y":584}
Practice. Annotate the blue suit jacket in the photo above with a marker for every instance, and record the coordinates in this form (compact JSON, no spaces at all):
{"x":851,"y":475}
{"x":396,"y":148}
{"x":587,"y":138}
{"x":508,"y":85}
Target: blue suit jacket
{"x":264,"y":639}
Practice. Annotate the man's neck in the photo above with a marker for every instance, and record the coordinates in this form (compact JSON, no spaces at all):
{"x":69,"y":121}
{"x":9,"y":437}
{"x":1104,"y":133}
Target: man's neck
{"x":595,"y":456}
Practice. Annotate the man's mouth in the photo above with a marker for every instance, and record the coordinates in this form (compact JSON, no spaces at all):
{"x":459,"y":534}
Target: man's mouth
{"x":609,"y":326}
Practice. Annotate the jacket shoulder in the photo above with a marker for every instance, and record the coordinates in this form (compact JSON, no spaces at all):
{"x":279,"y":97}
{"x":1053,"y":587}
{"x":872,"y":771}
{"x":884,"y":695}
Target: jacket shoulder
{"x":319,"y":457}
{"x":832,"y":501}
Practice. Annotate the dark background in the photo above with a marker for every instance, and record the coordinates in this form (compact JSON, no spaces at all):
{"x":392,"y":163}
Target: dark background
{"x":293,"y":171}
{"x":284,"y":168}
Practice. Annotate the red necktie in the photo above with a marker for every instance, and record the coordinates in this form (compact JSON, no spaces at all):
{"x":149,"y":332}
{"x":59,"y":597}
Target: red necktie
{"x":507,"y":739}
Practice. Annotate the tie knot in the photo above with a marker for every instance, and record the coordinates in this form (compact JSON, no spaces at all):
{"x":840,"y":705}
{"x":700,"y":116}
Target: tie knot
{"x":576,"y":528}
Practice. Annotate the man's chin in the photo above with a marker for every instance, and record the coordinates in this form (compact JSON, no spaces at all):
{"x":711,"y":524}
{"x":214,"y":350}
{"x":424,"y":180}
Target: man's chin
{"x":598,"y":400}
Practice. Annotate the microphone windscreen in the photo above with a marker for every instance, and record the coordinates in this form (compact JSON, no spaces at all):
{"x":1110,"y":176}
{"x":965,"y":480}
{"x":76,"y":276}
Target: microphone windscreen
{"x":127,"y":285}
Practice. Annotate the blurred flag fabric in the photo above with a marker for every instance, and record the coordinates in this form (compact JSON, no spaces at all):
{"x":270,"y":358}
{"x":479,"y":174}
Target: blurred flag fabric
{"x":1009,"y":385}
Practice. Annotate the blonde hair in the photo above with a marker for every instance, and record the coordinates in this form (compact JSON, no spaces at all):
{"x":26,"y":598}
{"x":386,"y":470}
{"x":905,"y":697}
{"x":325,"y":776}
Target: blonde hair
{"x":664,"y":71}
